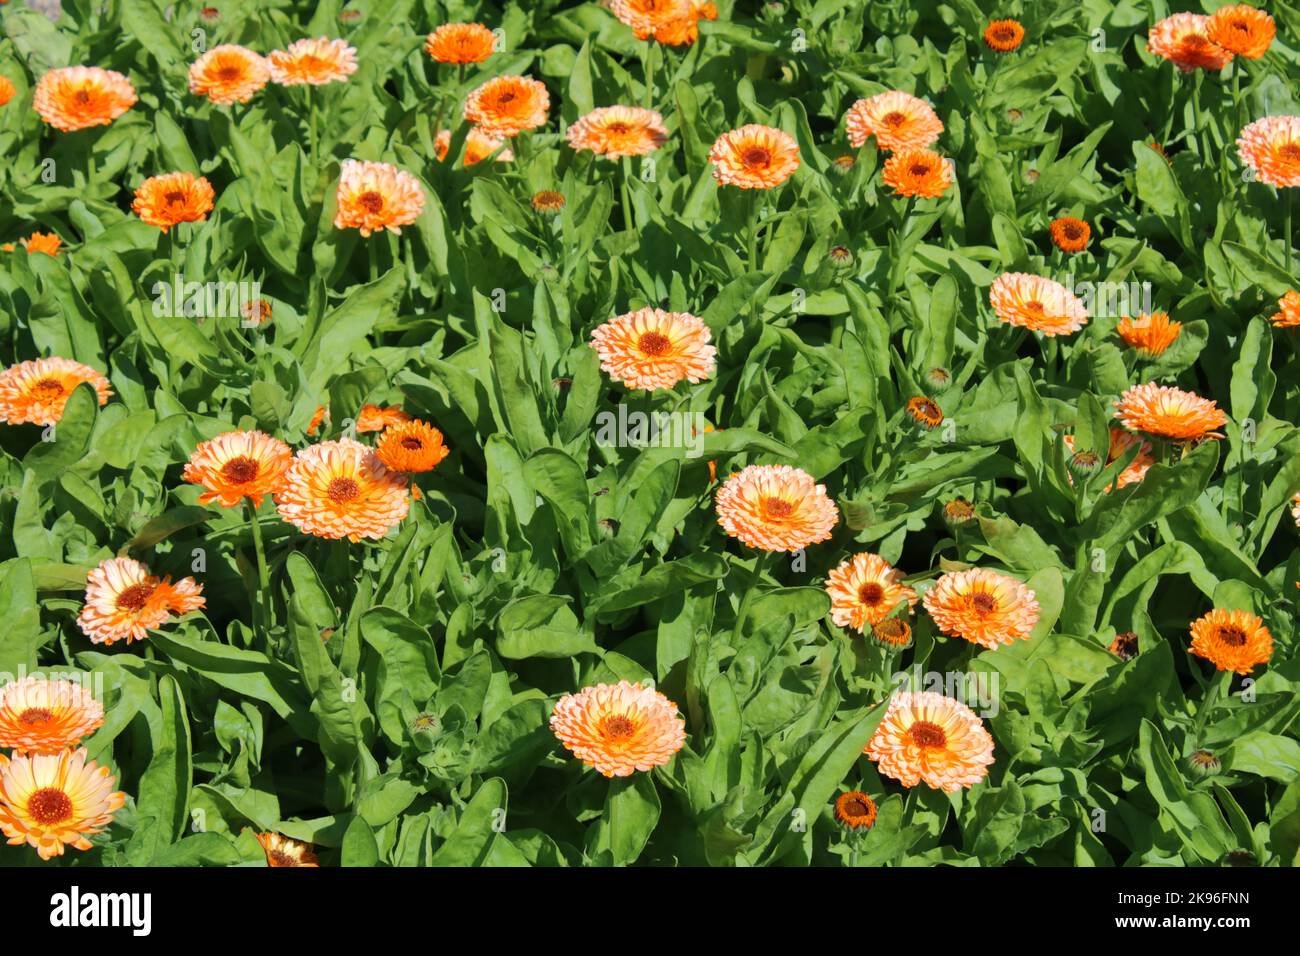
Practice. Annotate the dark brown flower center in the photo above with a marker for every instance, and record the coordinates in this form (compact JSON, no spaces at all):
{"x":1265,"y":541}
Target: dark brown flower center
{"x":239,"y":470}
{"x":343,"y":489}
{"x":893,"y":119}
{"x":411,"y":443}
{"x":1231,"y":635}
{"x":983,"y":603}
{"x":49,"y":806}
{"x":919,"y":169}
{"x":778,"y":507}
{"x":135,"y":597}
{"x":893,"y":630}
{"x":756,"y":156}
{"x":82,"y":96}
{"x":35,"y":715}
{"x":1290,"y":152}
{"x":617,"y":727}
{"x":47,"y":390}
{"x":1004,"y":33}
{"x":654,"y":343}
{"x":280,"y":858}
{"x":1071,"y":230}
{"x":371,"y":201}
{"x":618,"y":128}
{"x":230,"y":71}
{"x":871,"y":593}
{"x":854,"y":808}
{"x":174,"y":198}
{"x":928,"y":735}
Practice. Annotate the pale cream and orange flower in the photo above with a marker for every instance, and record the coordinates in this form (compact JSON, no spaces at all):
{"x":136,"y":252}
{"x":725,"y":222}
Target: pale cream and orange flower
{"x":45,"y":716}
{"x":647,"y":16}
{"x":1168,"y":412}
{"x":375,"y":196}
{"x":619,"y":728}
{"x":168,"y":200}
{"x":411,"y":447}
{"x":1271,"y":148}
{"x":865,"y":590}
{"x":124,"y":601}
{"x":1150,"y":334}
{"x":1232,"y":640}
{"x":37,"y":390}
{"x":77,"y":97}
{"x":932,"y":739}
{"x":7,"y":90}
{"x":898,"y":120}
{"x":281,"y":851}
{"x":256,"y":312}
{"x":238,"y":465}
{"x":374,"y":418}
{"x":651,"y":348}
{"x":478,"y":146}
{"x":617,"y":131}
{"x":776,"y":508}
{"x":983,"y":606}
{"x":340,"y":489}
{"x":314,"y":61}
{"x":1037,"y":303}
{"x":55,"y":801}
{"x":508,"y":105}
{"x":1003,"y":36}
{"x":1288,"y":311}
{"x":1241,"y":29}
{"x":754,"y":157}
{"x":229,"y":73}
{"x":1120,"y":442}
{"x":1069,"y":234}
{"x":1183,"y":39}
{"x":917,"y":172}
{"x":460,"y":43}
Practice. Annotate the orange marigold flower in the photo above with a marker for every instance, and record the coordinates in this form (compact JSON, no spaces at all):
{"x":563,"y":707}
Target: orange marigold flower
{"x":754,"y":157}
{"x":1125,"y":645}
{"x":1169,"y":412}
{"x":647,"y":16}
{"x":229,"y":73}
{"x":168,"y":200}
{"x":855,"y":810}
{"x":1288,"y":314}
{"x":340,"y":489}
{"x":651,"y":348}
{"x":925,"y":411}
{"x":238,"y":465}
{"x":1120,"y":442}
{"x":865,"y":590}
{"x":776,"y":508}
{"x":317,"y":62}
{"x":982,"y":606}
{"x":958,"y":512}
{"x":1232,"y":640}
{"x":1003,"y":36}
{"x":124,"y":601}
{"x":617,"y":131}
{"x":55,"y":801}
{"x":927,"y":737}
{"x":44,"y":716}
{"x":460,"y":43}
{"x":375,"y":196}
{"x":281,"y":851}
{"x":1037,"y":303}
{"x":1183,"y":39}
{"x":548,"y":202}
{"x":1149,"y":334}
{"x":1242,"y":30}
{"x":917,"y":172}
{"x":1271,"y":147}
{"x":1070,"y":234}
{"x":681,"y":32}
{"x":7,"y":91}
{"x":478,"y":146}
{"x":77,"y":97}
{"x":36,"y":391}
{"x":411,"y":447}
{"x":508,"y":105}
{"x":619,"y":728}
{"x":898,"y":120}
{"x":372,"y":418}
{"x":46,"y":242}
{"x":893,"y":634}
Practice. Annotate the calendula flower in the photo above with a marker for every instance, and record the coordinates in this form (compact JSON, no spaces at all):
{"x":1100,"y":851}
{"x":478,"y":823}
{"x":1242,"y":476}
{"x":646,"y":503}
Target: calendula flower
{"x":508,"y":105}
{"x":55,"y":801}
{"x":927,"y":737}
{"x":411,"y":447}
{"x":1037,"y":303}
{"x":776,"y":508}
{"x":229,"y":74}
{"x":840,"y":255}
{"x":238,"y":465}
{"x":373,"y":418}
{"x":898,"y":120}
{"x":1288,"y":313}
{"x":855,"y":810}
{"x":617,"y":131}
{"x":619,"y":728}
{"x":1183,"y":39}
{"x":168,"y":200}
{"x":959,"y":511}
{"x":36,"y":391}
{"x":1232,"y":640}
{"x":1241,"y":29}
{"x":1169,"y":412}
{"x":124,"y":601}
{"x":1003,"y":36}
{"x":7,"y":91}
{"x":340,"y":489}
{"x":548,"y":202}
{"x":478,"y":146}
{"x":1125,"y":645}
{"x":917,"y":172}
{"x":754,"y":157}
{"x":925,"y":411}
{"x":1150,"y":334}
{"x":256,"y":311}
{"x":1070,"y":234}
{"x":315,"y":62}
{"x":893,"y":634}
{"x":321,"y":415}
{"x":1203,"y":763}
{"x":1271,"y":147}
{"x":375,"y":196}
{"x":44,"y":716}
{"x":460,"y":43}
{"x":982,"y":606}
{"x":78,"y":97}
{"x":647,"y":16}
{"x":1120,"y":442}
{"x":865,"y":590}
{"x":1295,"y":512}
{"x":651,"y":348}
{"x":45,"y":242}
{"x":281,"y":851}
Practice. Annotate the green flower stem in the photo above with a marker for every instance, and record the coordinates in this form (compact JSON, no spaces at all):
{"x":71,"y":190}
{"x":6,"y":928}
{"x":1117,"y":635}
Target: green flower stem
{"x":629,"y":218}
{"x":648,"y":72}
{"x":750,"y":590}
{"x":263,"y":575}
{"x":1218,"y":688}
{"x":1286,"y":229}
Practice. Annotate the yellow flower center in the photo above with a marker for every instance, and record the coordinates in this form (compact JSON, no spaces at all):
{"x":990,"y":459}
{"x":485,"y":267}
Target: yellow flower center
{"x":49,"y":806}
